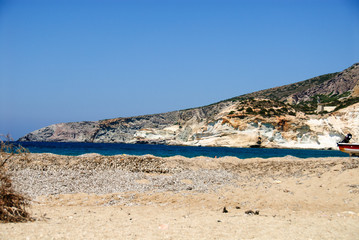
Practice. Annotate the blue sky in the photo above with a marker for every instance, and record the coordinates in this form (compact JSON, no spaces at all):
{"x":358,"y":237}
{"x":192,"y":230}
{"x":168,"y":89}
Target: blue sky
{"x":72,"y":60}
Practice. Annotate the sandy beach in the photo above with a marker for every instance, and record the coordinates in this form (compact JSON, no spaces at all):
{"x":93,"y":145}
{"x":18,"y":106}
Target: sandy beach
{"x":146,"y":197}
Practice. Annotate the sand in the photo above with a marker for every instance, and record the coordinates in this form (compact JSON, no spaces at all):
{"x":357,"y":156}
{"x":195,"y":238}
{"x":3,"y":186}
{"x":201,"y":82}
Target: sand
{"x":181,"y":198}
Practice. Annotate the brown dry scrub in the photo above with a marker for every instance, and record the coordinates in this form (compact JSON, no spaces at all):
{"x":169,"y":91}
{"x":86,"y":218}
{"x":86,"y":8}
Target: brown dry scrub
{"x":12,"y":204}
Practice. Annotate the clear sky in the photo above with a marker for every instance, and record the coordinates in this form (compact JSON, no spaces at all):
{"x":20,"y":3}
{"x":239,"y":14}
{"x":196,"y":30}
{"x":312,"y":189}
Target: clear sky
{"x":72,"y":60}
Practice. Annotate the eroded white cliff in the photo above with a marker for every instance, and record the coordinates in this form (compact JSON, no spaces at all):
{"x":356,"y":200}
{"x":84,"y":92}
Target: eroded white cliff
{"x":300,"y":131}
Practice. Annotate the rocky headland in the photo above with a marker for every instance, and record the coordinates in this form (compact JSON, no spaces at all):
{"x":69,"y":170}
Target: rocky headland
{"x":282,"y":117}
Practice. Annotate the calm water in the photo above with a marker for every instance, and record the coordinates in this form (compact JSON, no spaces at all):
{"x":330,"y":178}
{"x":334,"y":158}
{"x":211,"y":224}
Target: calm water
{"x":166,"y":151}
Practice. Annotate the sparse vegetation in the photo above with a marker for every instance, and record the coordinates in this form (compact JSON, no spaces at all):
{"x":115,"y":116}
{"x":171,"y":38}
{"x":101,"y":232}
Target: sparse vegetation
{"x":338,"y":100}
{"x":263,"y":112}
{"x":306,"y":107}
{"x":12,"y":204}
{"x":347,"y":102}
{"x":263,"y":107}
{"x":249,"y":110}
{"x":287,"y":90}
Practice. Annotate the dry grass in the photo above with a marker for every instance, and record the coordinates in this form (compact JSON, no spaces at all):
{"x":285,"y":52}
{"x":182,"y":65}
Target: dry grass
{"x":12,"y":204}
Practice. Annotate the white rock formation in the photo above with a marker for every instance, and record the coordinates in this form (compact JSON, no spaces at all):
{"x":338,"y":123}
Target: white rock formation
{"x":316,"y":132}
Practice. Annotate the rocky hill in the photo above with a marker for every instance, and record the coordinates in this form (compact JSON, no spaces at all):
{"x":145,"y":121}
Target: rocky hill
{"x":283,"y":117}
{"x":329,"y":84}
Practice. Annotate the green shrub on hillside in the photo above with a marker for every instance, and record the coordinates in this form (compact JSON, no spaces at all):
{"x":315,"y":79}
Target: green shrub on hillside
{"x":347,"y":102}
{"x":249,"y":110}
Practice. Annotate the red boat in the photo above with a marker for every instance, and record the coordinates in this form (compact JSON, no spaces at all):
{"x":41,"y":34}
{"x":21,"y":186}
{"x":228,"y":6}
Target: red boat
{"x":351,"y":148}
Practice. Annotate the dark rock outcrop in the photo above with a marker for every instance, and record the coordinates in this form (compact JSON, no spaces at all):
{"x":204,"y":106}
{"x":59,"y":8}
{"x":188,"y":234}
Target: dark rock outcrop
{"x":341,"y":83}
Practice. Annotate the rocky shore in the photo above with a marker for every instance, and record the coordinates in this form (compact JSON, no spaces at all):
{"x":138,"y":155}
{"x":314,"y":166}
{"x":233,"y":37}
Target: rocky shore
{"x":315,"y":113}
{"x":146,"y":197}
{"x":221,"y":125}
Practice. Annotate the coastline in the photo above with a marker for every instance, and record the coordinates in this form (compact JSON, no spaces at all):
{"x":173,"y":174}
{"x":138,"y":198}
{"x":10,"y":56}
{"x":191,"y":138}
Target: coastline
{"x":154,"y":143}
{"x":160,"y":150}
{"x":147,"y":197}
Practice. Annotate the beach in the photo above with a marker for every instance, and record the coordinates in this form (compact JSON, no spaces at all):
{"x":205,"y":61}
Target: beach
{"x":145,"y":197}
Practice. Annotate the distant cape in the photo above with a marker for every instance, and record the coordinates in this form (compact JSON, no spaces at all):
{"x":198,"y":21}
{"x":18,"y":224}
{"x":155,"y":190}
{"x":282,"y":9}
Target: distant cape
{"x":315,"y":113}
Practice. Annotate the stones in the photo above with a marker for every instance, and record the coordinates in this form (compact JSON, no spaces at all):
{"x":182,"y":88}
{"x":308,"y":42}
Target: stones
{"x":251,"y":212}
{"x":48,"y":174}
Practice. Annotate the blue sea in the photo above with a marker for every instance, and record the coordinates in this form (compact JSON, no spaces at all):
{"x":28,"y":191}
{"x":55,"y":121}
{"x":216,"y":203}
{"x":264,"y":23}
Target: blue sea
{"x":75,"y":149}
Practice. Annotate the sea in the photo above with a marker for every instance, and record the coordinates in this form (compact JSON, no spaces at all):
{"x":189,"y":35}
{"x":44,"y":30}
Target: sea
{"x":75,"y":149}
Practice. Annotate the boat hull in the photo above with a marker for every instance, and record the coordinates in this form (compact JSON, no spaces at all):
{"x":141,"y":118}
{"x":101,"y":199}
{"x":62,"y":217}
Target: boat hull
{"x":351,"y":148}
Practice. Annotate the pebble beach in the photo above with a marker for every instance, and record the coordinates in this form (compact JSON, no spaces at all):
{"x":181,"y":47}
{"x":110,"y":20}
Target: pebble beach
{"x":146,"y":197}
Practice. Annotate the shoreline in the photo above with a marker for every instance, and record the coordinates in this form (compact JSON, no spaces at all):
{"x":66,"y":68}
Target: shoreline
{"x":66,"y":149}
{"x":254,"y":146}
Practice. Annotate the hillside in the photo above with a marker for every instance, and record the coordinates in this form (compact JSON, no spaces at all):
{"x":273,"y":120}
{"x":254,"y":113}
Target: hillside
{"x":278,"y":117}
{"x":289,"y":91}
